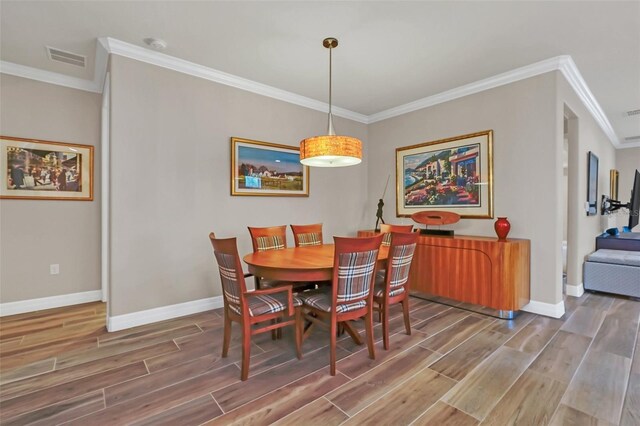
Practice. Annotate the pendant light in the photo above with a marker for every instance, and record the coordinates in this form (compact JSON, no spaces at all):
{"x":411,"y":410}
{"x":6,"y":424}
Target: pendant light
{"x":330,"y":150}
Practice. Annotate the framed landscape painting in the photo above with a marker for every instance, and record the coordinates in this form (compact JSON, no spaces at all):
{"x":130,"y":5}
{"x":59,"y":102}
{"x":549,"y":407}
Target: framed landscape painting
{"x":269,"y":169}
{"x":45,"y":170}
{"x":454,"y":175}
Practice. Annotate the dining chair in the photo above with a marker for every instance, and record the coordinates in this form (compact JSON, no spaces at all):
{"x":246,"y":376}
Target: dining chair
{"x":307,"y":235}
{"x":278,"y":305}
{"x":392,"y":286}
{"x":386,"y":230}
{"x":350,"y":296}
{"x":264,"y":239}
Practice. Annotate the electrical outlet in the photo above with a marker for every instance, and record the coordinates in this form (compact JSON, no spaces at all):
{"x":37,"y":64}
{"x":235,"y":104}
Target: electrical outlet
{"x":54,"y":269}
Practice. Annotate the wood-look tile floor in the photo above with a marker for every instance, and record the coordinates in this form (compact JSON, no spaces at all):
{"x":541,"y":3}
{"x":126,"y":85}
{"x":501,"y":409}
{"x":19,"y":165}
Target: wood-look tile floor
{"x":458,"y":368}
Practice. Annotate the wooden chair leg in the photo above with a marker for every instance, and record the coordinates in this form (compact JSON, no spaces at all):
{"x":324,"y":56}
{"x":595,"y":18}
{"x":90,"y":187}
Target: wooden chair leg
{"x":299,"y":319}
{"x":332,"y":348}
{"x":227,"y":335}
{"x":368,"y":322}
{"x":385,"y":325}
{"x":246,"y":351}
{"x":405,"y":312}
{"x":274,"y":332}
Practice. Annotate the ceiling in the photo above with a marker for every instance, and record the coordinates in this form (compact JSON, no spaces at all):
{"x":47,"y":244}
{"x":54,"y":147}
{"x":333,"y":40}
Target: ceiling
{"x":390,"y":53}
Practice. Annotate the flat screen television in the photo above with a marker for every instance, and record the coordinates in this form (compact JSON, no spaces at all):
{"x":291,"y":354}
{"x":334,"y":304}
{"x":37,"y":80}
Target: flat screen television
{"x":609,"y":205}
{"x":634,"y":203}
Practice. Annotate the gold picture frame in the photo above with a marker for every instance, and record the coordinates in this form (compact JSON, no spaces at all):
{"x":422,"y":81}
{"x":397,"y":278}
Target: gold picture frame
{"x":613,"y":184}
{"x":267,"y":169}
{"x":453,"y":174}
{"x":34,"y":169}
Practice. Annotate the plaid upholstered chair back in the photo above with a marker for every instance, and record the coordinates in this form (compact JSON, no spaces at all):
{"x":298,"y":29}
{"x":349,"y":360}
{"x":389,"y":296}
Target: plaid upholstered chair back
{"x":354,"y":268}
{"x":403,"y":246}
{"x":307,"y":235}
{"x":388,"y":229}
{"x":270,"y":238}
{"x":231,"y":275}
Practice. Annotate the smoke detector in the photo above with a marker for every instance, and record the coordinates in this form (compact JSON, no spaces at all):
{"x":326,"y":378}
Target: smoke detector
{"x":155,"y":43}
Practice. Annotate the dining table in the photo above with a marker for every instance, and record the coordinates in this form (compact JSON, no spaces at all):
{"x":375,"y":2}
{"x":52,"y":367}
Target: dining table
{"x":299,"y":264}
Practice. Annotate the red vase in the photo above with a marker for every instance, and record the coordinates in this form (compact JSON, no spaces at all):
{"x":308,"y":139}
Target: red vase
{"x":502,"y":227}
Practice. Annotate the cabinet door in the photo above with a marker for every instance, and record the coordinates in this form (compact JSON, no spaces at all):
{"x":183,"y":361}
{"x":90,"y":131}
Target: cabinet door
{"x":429,"y":270}
{"x":470,"y":276}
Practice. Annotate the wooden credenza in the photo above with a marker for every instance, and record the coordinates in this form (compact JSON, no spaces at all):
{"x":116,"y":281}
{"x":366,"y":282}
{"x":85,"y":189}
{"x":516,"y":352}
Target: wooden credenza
{"x":477,"y":270}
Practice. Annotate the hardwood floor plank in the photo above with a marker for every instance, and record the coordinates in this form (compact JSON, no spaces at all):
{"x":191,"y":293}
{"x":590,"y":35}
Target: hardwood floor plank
{"x":281,"y":402}
{"x":407,"y":402}
{"x":10,"y":343}
{"x":631,"y":408}
{"x":359,"y":363}
{"x":24,"y":355}
{"x":438,"y":323}
{"x":511,"y":327}
{"x":598,"y":301}
{"x":429,"y":310}
{"x":33,"y":369}
{"x":157,"y":401}
{"x":194,"y":412}
{"x":442,"y":414}
{"x":18,"y":331}
{"x":460,"y":361}
{"x":49,"y":315}
{"x":157,"y":327}
{"x":567,"y":416}
{"x":617,"y":334}
{"x":260,"y":384}
{"x":562,"y":356}
{"x":599,"y":385}
{"x":585,"y":321}
{"x":135,"y":388}
{"x":61,"y":412}
{"x":531,"y":400}
{"x":483,"y":387}
{"x":122,"y":346}
{"x":93,"y":328}
{"x":39,"y":399}
{"x":72,"y":373}
{"x":370,"y":386}
{"x":453,"y":336}
{"x":535,"y":335}
{"x":320,"y":412}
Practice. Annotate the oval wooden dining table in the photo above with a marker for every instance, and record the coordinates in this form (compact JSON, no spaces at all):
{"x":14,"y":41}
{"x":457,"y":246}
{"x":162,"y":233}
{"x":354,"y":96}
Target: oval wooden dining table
{"x":299,"y":264}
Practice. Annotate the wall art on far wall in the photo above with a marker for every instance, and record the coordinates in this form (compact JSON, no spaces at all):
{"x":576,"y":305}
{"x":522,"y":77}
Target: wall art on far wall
{"x":453,"y":174}
{"x":268,"y":169}
{"x":45,"y":170}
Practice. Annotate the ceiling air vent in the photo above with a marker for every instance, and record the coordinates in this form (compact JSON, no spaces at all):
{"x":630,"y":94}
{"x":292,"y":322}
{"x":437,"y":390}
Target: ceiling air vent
{"x":632,"y":138}
{"x":66,"y":57}
{"x":634,"y":112}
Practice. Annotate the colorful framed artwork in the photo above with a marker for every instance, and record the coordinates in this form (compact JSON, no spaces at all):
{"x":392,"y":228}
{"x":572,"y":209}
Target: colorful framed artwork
{"x":454,"y":175}
{"x":267,"y":169}
{"x":45,"y":170}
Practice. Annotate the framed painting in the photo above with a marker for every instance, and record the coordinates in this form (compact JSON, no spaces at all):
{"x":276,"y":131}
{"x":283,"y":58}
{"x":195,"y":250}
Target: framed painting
{"x":267,"y":169}
{"x":454,"y":175}
{"x":45,"y":170}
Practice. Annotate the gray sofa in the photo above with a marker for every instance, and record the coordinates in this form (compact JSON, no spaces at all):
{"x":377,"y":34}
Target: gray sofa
{"x":613,"y":271}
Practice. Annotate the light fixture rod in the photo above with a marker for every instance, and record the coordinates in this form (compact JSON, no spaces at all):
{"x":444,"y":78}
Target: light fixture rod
{"x":330,"y":43}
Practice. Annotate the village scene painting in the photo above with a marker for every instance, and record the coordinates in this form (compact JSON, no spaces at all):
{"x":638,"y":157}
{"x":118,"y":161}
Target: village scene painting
{"x":447,"y":177}
{"x":44,"y":169}
{"x":261,"y":168}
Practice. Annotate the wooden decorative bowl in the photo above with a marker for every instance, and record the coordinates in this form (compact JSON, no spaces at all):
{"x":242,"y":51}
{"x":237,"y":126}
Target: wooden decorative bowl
{"x":435,"y":217}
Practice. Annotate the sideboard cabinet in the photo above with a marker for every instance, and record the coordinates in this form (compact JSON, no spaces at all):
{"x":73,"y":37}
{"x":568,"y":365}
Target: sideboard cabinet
{"x":476,"y":270}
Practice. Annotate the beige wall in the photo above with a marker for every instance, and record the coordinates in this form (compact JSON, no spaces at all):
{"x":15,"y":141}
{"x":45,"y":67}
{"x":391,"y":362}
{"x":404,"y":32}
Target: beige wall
{"x":584,"y":135}
{"x":170,"y":170}
{"x":527,"y":164}
{"x":627,"y":162}
{"x":33,"y":233}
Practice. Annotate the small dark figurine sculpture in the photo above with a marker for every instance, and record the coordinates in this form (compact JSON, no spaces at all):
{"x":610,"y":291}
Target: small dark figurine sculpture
{"x":379,"y":214}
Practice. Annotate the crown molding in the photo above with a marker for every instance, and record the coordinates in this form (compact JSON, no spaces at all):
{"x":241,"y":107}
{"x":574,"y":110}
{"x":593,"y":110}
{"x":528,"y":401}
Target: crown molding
{"x":142,"y":54}
{"x":48,"y":77}
{"x":107,"y":45}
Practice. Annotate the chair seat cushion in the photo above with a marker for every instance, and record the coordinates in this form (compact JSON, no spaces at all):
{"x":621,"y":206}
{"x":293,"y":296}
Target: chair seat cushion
{"x":378,"y":291}
{"x":321,"y":299}
{"x":260,"y":304}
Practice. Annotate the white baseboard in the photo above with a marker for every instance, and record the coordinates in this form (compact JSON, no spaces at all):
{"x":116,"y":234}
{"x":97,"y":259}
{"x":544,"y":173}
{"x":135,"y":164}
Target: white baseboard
{"x":134,"y":319}
{"x":31,"y":305}
{"x":574,"y":290}
{"x":546,"y":309}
